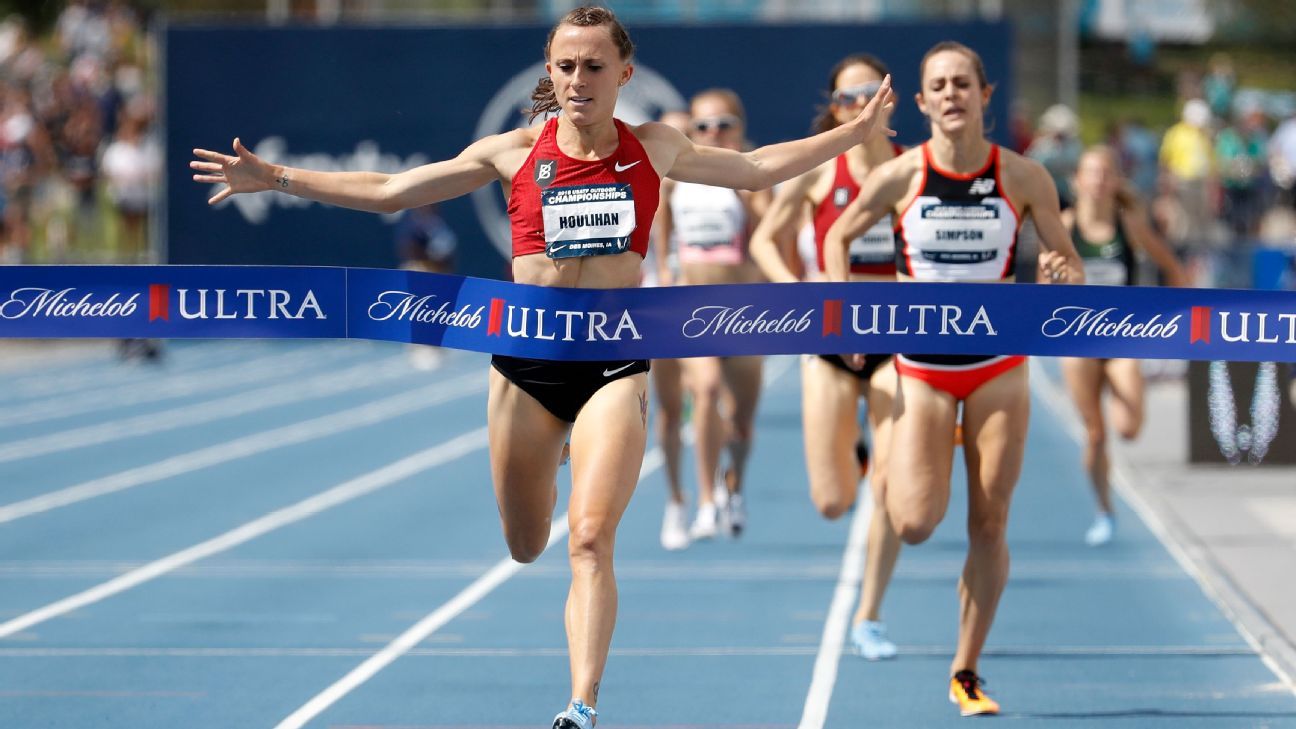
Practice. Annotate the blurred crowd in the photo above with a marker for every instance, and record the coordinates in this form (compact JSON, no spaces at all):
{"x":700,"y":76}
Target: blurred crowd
{"x":79,"y":157}
{"x":1220,"y":180}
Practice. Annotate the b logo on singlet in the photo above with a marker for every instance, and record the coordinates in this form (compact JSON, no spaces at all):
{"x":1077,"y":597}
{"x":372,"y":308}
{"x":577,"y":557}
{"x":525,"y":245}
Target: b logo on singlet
{"x":841,"y":196}
{"x":545,"y":170}
{"x":982,"y":186}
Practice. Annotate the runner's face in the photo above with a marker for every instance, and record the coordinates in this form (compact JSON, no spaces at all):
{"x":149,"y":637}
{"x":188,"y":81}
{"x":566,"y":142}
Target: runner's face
{"x":715,"y":123}
{"x":587,"y":73}
{"x":1096,"y":178}
{"x":952,"y":96}
{"x":854,"y":79}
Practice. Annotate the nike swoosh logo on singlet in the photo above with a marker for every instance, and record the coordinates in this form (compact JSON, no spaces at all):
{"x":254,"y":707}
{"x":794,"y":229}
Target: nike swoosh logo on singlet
{"x":609,"y":373}
{"x":617,"y":166}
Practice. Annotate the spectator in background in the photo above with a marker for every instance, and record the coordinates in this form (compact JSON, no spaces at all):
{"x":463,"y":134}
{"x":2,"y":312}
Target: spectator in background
{"x":1240,"y":154}
{"x":1282,"y":158}
{"x":131,"y":166}
{"x":1139,"y":150}
{"x":425,"y":243}
{"x":1020,"y":130}
{"x":1057,"y":146}
{"x":1219,"y":85}
{"x":1187,"y":156}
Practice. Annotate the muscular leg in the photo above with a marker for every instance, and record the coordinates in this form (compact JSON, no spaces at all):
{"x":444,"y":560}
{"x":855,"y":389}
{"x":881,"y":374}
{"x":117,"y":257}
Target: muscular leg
{"x":1084,"y":379}
{"x":742,"y":377}
{"x":607,"y":453}
{"x":883,"y":542}
{"x":920,"y":460}
{"x":668,"y":385}
{"x":829,"y":403}
{"x":1125,"y":379}
{"x":526,"y":442}
{"x":995,"y":419}
{"x":707,"y":383}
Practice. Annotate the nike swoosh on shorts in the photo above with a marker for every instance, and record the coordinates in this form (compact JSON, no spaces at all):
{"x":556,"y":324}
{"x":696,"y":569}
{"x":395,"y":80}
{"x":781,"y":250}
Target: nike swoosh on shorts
{"x":609,"y":373}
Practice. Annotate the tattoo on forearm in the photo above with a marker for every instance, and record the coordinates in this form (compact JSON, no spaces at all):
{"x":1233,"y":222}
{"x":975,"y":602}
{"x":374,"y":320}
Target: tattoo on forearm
{"x":643,"y":408}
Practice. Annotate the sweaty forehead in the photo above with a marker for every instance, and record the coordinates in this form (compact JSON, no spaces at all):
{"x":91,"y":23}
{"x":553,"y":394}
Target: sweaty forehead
{"x":948,"y":64}
{"x":581,"y":42}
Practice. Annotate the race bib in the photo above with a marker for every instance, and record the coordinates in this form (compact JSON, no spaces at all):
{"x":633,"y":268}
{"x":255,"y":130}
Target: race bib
{"x":587,"y":220}
{"x":1104,"y":272}
{"x":876,"y":246}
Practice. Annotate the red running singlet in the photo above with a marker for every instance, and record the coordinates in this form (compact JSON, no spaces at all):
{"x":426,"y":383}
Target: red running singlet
{"x":566,"y":207}
{"x":873,"y":252}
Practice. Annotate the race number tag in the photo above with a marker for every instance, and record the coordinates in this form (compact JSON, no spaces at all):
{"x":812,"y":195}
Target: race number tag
{"x":876,"y":246}
{"x":587,"y":220}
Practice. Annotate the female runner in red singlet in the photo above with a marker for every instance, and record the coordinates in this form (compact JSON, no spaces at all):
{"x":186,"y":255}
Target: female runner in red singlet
{"x":582,"y":190}
{"x":831,"y":389}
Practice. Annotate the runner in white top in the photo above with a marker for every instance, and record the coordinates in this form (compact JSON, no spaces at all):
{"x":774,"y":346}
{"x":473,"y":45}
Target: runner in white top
{"x":710,"y":227}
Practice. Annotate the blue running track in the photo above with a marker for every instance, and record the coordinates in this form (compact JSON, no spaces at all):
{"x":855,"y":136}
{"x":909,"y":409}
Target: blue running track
{"x":240,"y":537}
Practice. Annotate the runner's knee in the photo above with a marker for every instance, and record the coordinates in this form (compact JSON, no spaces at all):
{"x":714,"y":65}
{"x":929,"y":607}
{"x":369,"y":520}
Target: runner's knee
{"x":590,"y":543}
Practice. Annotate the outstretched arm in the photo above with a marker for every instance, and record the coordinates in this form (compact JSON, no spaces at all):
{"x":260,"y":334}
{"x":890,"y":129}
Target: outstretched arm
{"x":1058,"y":261}
{"x":764,"y":167}
{"x":1143,"y":236}
{"x":371,"y":191}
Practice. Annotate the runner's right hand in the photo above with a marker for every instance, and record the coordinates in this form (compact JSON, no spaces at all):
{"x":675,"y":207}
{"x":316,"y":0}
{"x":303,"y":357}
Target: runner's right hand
{"x":244,"y":172}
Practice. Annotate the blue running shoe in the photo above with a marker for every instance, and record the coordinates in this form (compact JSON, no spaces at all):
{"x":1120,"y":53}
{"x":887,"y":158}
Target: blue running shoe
{"x":868,"y":638}
{"x":577,"y":716}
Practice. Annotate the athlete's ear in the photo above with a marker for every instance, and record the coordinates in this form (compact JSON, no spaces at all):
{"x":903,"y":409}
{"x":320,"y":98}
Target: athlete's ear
{"x":986,"y":92}
{"x":626,"y":74}
{"x":918,"y":100}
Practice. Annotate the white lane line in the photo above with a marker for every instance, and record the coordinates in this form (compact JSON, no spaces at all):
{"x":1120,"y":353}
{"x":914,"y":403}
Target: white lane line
{"x":169,"y":386}
{"x":330,"y":383}
{"x":420,"y":631}
{"x":332,"y":424}
{"x":1251,"y":623}
{"x":374,"y":480}
{"x":824,"y":677}
{"x":1086,"y":651}
{"x":708,"y":571}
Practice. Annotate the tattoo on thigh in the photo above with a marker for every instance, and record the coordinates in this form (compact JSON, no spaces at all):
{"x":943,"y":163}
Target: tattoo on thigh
{"x":643,"y":408}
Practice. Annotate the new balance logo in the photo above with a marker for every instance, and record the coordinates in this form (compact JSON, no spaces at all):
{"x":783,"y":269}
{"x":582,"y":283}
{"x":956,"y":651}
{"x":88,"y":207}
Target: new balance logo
{"x":982,"y":186}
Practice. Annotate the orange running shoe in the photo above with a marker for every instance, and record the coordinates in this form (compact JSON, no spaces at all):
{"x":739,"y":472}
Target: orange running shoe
{"x":965,"y":690}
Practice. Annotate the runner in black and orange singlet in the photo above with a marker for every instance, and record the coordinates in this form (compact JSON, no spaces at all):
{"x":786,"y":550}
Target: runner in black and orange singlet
{"x":582,"y":191}
{"x":957,"y":201}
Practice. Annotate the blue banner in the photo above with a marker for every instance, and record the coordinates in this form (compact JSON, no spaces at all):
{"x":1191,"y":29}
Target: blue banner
{"x":391,"y":98}
{"x":684,"y":321}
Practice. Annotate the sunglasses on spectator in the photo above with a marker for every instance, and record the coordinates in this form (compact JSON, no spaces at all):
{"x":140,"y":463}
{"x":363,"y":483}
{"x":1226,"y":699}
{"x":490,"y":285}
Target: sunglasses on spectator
{"x":849,"y":95}
{"x":721,"y":123}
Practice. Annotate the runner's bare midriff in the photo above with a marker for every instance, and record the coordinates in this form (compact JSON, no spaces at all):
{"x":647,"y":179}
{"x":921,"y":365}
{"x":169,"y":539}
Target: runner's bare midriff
{"x":616,"y":271}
